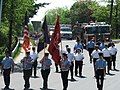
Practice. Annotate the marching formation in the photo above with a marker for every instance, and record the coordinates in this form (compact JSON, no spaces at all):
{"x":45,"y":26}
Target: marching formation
{"x":101,"y":55}
{"x":103,"y":60}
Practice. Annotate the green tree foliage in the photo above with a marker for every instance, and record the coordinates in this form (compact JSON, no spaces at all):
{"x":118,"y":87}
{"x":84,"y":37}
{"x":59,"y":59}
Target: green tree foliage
{"x":99,"y":13}
{"x":83,"y":12}
{"x":115,"y":19}
{"x":19,"y":9}
{"x":3,"y":35}
{"x":64,"y":14}
{"x":15,"y":10}
{"x":80,"y":12}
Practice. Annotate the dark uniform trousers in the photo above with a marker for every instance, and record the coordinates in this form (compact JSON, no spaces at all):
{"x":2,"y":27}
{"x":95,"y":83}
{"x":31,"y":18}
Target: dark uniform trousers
{"x":113,"y":61}
{"x":100,"y":78}
{"x":56,"y":66}
{"x":6,"y":75}
{"x":90,"y":50}
{"x":64,"y":76}
{"x":34,"y":66}
{"x":26,"y":75}
{"x":94,"y":61}
{"x":78,"y":64}
{"x":45,"y":74}
{"x":71,"y":69}
{"x":108,"y":64}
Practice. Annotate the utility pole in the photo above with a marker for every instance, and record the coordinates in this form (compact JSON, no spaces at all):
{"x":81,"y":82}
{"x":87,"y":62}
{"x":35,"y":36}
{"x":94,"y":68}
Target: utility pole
{"x":10,"y":27}
{"x":26,"y":19}
{"x":0,"y":10}
{"x":111,"y":10}
{"x":116,"y":22}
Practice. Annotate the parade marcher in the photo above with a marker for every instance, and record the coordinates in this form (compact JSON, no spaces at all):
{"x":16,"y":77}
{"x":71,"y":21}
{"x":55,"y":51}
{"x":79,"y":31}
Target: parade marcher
{"x":27,"y":69}
{"x":45,"y":70}
{"x":110,"y":43}
{"x":65,"y":66}
{"x":102,"y":45}
{"x":78,"y":45}
{"x":90,"y":47}
{"x":106,"y":56}
{"x":113,"y":51}
{"x":71,"y":59}
{"x":95,"y":55}
{"x":100,"y":66}
{"x":34,"y":56}
{"x":7,"y":66}
{"x":78,"y":62}
{"x":66,"y":47}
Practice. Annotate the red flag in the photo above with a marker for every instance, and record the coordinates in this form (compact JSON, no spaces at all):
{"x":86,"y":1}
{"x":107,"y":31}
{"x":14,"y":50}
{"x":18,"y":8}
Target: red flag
{"x":26,"y":42}
{"x":56,"y":39}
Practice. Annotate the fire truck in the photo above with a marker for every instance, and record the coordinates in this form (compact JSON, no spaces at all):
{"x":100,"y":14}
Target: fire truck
{"x":97,"y":31}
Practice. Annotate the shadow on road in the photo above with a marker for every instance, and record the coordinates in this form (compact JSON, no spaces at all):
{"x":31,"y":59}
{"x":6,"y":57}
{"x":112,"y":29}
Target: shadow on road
{"x":7,"y":89}
{"x":46,"y":89}
{"x":81,"y":76}
{"x":72,"y":80}
{"x":111,"y":74}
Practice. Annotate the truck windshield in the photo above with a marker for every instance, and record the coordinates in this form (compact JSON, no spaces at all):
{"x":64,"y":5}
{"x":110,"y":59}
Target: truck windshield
{"x":97,"y":29}
{"x":91,"y":30}
{"x":104,"y":29}
{"x":66,"y":29}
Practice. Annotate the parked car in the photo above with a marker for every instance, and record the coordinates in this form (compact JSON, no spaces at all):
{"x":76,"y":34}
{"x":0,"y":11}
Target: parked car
{"x":66,"y":32}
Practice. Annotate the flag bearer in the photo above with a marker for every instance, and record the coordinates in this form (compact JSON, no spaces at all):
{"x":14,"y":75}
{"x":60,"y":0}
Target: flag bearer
{"x":27,"y":69}
{"x":34,"y":56}
{"x":45,"y":71}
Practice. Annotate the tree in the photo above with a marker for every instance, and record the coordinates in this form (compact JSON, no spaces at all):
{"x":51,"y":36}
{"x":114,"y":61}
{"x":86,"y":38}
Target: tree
{"x":17,"y":15}
{"x":64,"y":14}
{"x":80,"y":12}
{"x":20,"y":8}
{"x":84,"y":12}
{"x":115,"y":23}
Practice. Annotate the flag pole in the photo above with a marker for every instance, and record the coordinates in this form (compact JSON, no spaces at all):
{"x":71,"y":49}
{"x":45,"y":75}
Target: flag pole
{"x":61,"y":48}
{"x":44,"y":48}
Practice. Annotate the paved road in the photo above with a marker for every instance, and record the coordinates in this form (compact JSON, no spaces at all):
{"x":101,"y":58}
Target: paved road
{"x":112,"y":82}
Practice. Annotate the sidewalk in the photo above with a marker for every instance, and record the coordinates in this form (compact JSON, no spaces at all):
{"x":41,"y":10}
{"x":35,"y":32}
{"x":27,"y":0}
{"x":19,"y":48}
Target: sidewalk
{"x":20,"y":56}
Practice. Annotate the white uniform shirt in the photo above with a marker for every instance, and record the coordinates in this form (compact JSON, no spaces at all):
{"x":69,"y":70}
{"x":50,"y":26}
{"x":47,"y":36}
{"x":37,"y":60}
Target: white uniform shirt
{"x":106,"y":52}
{"x":34,"y":56}
{"x":95,"y":54}
{"x":70,"y":57}
{"x":79,"y":57}
{"x":113,"y":50}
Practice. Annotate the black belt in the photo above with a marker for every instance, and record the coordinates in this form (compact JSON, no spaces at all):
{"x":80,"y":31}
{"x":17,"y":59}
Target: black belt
{"x":100,"y":69}
{"x":7,"y":69}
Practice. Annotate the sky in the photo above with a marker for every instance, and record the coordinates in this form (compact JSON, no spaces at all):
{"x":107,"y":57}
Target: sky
{"x":53,"y":4}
